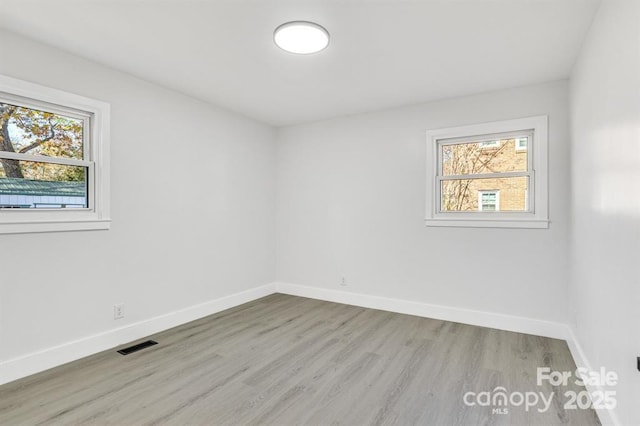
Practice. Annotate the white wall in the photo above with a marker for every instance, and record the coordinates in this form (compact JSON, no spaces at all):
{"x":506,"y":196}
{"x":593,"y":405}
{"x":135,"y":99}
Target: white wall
{"x":605,"y":237}
{"x":351,"y":201}
{"x":158,"y":257}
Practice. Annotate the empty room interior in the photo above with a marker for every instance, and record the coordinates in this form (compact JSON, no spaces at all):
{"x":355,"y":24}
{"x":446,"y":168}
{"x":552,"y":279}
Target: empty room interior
{"x":320,"y":212}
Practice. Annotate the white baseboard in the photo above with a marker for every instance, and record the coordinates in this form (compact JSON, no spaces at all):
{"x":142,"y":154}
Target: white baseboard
{"x":32,"y":363}
{"x":607,"y":417}
{"x":467,"y":316}
{"x":23,"y":366}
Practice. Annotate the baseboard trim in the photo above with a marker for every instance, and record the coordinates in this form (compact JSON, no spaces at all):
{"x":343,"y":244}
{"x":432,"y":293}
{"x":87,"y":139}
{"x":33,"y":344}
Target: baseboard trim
{"x":35,"y":362}
{"x":16,"y":368}
{"x":467,"y":316}
{"x":607,"y":417}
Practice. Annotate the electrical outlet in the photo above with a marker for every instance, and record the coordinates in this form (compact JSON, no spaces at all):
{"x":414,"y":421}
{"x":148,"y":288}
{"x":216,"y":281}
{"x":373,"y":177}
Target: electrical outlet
{"x":118,"y":311}
{"x":343,"y":281}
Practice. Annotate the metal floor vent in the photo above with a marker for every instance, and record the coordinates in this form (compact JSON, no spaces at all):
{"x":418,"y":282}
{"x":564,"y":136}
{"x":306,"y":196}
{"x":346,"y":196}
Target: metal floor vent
{"x":138,"y":347}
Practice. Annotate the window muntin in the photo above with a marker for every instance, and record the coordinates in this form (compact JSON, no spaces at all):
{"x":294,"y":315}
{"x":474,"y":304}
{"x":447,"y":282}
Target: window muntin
{"x":43,"y":161}
{"x":521,"y":181}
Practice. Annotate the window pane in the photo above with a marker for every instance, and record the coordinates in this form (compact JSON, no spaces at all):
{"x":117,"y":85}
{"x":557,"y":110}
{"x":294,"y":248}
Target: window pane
{"x":31,"y":131}
{"x":33,"y":185}
{"x":502,"y":194}
{"x":499,"y":156}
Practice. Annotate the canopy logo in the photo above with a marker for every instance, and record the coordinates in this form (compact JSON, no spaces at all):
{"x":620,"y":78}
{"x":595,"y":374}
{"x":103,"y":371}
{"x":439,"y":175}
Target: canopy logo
{"x":501,"y":400}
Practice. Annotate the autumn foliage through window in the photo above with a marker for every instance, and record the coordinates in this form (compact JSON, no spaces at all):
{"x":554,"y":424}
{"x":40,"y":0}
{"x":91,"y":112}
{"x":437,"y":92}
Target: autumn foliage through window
{"x":42,"y":159}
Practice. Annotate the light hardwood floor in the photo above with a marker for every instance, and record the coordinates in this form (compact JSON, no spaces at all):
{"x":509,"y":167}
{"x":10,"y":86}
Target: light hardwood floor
{"x":288,"y":360}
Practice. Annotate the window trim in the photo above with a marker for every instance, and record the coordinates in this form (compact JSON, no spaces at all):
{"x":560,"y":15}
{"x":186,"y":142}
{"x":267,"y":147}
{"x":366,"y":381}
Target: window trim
{"x":97,"y":115}
{"x":536,"y":217}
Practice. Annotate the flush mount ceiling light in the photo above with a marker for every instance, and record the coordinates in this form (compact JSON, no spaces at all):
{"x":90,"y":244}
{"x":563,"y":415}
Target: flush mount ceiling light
{"x":301,"y":37}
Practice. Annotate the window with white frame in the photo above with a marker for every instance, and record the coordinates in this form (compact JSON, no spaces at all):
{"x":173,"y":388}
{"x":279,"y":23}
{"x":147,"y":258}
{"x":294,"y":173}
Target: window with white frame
{"x":505,"y":186}
{"x":54,"y":152}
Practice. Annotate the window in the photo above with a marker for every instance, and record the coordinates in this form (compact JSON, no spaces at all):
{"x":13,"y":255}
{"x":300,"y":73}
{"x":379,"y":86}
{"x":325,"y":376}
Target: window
{"x":505,"y":186}
{"x":489,"y":201}
{"x":54,"y":151}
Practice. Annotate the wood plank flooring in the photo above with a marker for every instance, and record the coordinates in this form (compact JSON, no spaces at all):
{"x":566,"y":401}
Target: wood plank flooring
{"x":287,"y":360}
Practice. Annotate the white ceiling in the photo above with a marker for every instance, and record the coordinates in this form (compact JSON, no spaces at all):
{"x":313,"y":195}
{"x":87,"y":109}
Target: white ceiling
{"x":383,"y":53}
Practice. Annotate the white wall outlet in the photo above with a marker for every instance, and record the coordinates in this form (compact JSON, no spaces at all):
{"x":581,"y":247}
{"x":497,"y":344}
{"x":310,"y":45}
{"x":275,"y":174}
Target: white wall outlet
{"x":343,"y":281}
{"x":118,"y":311}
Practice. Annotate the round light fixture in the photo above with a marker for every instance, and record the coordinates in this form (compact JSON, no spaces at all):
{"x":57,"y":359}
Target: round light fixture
{"x":301,"y":37}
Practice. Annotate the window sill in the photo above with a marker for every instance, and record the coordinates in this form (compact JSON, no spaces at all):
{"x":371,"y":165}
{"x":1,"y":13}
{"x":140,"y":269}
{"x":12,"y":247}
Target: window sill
{"x":54,"y":226}
{"x":488,"y":223}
